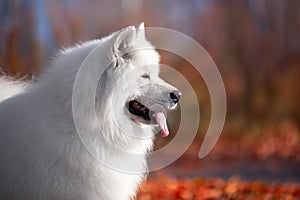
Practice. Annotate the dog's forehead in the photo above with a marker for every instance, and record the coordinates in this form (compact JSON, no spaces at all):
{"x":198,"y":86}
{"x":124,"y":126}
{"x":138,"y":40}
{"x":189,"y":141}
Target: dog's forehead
{"x":147,"y":58}
{"x":152,"y":69}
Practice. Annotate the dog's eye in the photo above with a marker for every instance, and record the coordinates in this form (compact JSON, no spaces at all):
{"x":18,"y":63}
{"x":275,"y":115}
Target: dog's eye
{"x":146,"y":76}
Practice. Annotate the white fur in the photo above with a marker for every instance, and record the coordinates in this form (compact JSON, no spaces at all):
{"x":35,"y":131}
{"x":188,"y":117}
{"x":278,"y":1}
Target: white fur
{"x":41,"y":155}
{"x":10,"y":87}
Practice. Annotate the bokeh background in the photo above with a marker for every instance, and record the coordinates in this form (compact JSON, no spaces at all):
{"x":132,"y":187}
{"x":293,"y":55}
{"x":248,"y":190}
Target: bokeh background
{"x":255,"y":44}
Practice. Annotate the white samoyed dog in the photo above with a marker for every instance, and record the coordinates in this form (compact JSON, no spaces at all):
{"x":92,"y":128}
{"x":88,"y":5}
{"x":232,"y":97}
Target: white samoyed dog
{"x":45,"y":154}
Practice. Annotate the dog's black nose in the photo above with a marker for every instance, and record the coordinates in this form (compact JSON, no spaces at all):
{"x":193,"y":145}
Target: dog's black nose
{"x":175,"y":96}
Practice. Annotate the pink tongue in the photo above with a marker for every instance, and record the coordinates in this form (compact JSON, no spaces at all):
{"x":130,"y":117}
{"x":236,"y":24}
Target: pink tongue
{"x":161,"y":120}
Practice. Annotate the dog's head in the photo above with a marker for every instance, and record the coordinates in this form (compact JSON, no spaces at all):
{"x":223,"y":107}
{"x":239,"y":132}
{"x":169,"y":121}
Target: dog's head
{"x":138,"y":91}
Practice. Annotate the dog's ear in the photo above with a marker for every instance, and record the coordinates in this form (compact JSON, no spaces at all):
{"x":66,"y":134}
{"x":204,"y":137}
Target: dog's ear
{"x":141,"y":32}
{"x":124,"y":41}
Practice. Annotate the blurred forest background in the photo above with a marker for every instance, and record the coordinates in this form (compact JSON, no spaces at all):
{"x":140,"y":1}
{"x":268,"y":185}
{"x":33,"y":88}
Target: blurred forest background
{"x":255,"y":44}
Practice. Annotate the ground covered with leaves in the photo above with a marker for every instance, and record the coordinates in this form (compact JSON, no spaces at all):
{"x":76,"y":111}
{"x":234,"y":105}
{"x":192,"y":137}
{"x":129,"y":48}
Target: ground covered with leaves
{"x":166,"y":188}
{"x":264,"y":166}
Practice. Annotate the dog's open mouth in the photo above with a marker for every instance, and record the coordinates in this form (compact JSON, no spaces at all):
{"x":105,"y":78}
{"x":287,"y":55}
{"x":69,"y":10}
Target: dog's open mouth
{"x":144,"y":115}
{"x":139,"y":110}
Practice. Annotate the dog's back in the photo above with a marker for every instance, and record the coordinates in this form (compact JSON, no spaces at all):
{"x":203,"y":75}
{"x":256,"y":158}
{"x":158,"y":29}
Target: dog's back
{"x":9,"y":87}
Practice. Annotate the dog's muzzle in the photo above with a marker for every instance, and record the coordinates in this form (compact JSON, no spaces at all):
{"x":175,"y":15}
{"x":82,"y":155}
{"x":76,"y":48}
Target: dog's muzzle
{"x":153,"y":113}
